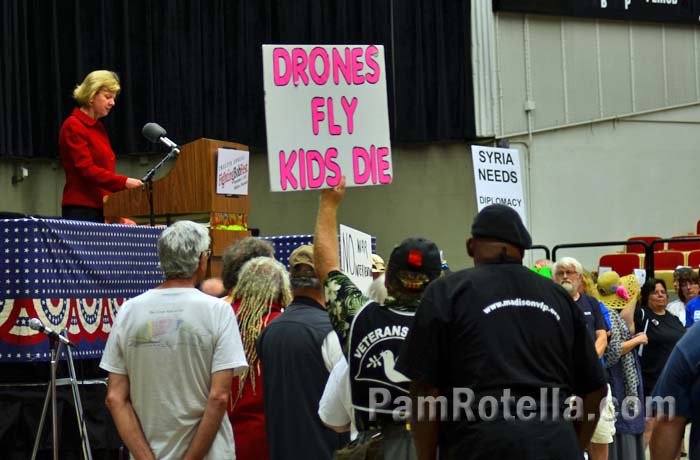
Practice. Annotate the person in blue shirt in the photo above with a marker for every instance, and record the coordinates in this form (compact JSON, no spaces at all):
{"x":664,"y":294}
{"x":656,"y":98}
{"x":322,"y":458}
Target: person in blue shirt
{"x":692,"y":312}
{"x":679,"y":380}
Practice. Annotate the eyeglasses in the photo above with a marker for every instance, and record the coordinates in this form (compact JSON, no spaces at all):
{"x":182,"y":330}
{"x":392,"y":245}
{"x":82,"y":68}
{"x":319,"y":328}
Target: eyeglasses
{"x":568,"y":273}
{"x":659,"y":293}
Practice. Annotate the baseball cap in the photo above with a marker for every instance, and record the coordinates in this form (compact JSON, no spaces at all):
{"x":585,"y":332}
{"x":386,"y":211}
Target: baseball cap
{"x":502,"y":223}
{"x":417,"y":255}
{"x":301,"y":261}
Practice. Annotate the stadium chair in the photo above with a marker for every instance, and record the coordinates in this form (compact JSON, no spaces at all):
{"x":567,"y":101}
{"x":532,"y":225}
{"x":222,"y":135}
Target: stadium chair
{"x":667,"y":276}
{"x":694,"y":259}
{"x":697,"y":227}
{"x":639,"y":249}
{"x":679,"y":245}
{"x":623,"y":263}
{"x":668,"y":260}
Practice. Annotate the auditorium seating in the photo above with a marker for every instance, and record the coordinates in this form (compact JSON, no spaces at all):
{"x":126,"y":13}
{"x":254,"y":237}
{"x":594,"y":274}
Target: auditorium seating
{"x":678,"y":243}
{"x":668,"y":260}
{"x":665,"y":262}
{"x":667,"y":276}
{"x":638,"y":248}
{"x":623,"y":263}
{"x":694,"y":259}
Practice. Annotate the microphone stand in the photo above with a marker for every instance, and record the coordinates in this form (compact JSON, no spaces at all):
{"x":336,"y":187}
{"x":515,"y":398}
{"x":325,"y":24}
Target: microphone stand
{"x":148,"y":180}
{"x":55,"y":350}
{"x":56,"y":347}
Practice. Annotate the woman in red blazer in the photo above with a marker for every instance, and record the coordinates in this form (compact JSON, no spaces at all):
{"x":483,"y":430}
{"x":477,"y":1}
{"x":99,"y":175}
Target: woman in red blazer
{"x":86,"y":154}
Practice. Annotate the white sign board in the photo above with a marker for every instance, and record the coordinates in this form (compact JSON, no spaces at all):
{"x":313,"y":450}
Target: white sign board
{"x":326,"y":116}
{"x":356,"y":256}
{"x":498,"y":178}
{"x":232,"y":168}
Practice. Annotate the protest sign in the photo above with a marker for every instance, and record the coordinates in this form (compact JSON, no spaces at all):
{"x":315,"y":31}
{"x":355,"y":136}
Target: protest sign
{"x":498,"y":178}
{"x":326,"y":116}
{"x":356,"y":256}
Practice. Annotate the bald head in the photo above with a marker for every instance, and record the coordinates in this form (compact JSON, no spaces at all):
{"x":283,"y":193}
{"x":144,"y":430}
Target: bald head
{"x":213,"y":286}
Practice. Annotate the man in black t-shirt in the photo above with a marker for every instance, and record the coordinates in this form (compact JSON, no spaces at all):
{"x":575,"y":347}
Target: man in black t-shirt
{"x":503,"y":347}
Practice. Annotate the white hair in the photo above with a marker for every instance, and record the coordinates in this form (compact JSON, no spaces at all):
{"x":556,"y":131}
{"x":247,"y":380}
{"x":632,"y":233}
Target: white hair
{"x":179,"y":248}
{"x":377,"y":290}
{"x":567,"y":262}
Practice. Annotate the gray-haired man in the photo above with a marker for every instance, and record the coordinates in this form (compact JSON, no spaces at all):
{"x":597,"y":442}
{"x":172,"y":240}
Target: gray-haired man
{"x":171,"y":357}
{"x":568,"y":273}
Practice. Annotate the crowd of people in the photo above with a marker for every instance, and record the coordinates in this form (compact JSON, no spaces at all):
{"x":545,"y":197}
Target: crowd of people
{"x":436,"y":366}
{"x":497,"y":361}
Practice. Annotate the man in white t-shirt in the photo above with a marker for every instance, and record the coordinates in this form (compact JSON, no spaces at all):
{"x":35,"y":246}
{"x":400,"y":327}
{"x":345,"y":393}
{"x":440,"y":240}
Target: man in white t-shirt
{"x":171,"y":357}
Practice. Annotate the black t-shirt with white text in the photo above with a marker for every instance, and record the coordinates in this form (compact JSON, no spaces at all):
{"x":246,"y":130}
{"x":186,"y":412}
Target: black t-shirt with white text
{"x":498,"y":327}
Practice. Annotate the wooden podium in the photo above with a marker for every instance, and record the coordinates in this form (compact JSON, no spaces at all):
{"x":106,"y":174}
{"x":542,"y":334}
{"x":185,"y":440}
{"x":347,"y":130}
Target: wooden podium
{"x":188,"y":191}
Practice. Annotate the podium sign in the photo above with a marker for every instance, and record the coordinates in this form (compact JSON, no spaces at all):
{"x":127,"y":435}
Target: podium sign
{"x":232,"y":168}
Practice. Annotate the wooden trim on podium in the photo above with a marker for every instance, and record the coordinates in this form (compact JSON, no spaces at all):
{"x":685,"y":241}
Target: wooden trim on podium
{"x":189,"y":187}
{"x":222,"y":239}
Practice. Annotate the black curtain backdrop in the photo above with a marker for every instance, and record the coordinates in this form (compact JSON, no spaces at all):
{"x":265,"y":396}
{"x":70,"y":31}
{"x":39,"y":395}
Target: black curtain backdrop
{"x":195,"y":66}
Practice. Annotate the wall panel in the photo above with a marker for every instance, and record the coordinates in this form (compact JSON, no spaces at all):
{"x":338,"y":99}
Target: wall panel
{"x":581,"y":70}
{"x":547,"y":71}
{"x":576,"y":70}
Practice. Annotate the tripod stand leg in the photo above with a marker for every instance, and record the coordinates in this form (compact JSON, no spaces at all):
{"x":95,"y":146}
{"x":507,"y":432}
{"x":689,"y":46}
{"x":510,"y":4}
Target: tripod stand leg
{"x":41,"y":422}
{"x":50,"y":396}
{"x":56,"y":353}
{"x":82,"y":427}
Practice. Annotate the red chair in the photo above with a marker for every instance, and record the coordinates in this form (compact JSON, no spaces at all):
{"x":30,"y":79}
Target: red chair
{"x":668,"y":260}
{"x":638,"y":248}
{"x":697,"y":227}
{"x":694,"y":259}
{"x":623,"y":263}
{"x":679,"y":245}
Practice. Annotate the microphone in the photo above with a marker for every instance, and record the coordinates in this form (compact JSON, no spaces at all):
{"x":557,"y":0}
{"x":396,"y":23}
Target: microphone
{"x":155,"y":133}
{"x":37,"y":325}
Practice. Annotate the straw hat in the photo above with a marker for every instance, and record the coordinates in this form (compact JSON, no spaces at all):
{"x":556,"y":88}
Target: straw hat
{"x":377,"y":264}
{"x":615,"y":292}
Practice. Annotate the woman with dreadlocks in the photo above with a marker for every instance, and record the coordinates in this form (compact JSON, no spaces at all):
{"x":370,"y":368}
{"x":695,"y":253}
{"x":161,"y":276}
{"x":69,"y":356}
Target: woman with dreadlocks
{"x":260,"y":295}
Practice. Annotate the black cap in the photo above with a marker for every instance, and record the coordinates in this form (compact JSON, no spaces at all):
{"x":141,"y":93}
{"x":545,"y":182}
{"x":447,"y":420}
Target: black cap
{"x":417,"y":255}
{"x":502,"y":223}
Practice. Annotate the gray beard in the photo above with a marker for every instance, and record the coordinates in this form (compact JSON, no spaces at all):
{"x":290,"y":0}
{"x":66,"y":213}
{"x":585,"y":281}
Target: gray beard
{"x":569,"y":286}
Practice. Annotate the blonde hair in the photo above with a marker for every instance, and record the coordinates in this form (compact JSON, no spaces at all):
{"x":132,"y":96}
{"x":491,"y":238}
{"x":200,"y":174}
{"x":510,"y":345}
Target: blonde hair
{"x":93,"y":83}
{"x":588,"y":283}
{"x":262,"y":282}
